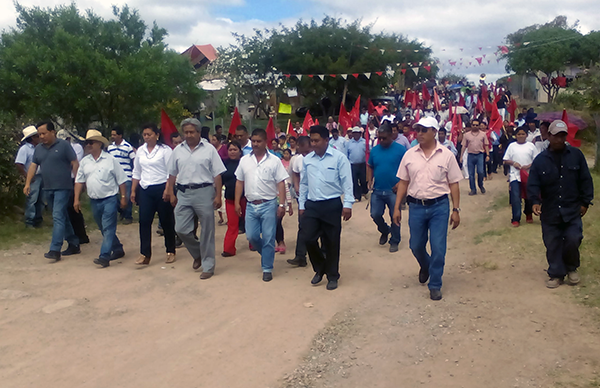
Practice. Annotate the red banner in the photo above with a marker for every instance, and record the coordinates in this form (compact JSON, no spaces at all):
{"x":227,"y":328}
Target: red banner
{"x":167,"y":127}
{"x":235,"y":121}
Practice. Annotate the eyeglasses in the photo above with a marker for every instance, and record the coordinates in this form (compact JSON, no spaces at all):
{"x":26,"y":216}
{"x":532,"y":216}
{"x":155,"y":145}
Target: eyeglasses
{"x":421,"y":129}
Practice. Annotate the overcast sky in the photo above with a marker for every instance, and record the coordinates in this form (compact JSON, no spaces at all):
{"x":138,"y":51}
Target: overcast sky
{"x":446,"y":26}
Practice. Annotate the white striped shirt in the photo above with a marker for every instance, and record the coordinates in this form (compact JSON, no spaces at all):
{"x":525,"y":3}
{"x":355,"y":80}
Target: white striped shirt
{"x":125,"y":154}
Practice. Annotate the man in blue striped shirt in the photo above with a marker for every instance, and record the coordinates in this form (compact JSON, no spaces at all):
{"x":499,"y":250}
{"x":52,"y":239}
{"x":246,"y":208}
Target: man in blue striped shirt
{"x":326,"y":176}
{"x":124,"y":153}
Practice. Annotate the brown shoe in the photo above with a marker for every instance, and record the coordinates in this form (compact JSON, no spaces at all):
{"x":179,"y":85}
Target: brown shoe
{"x":197,"y":263}
{"x":206,"y":275}
{"x":171,"y":258}
{"x":143,"y":260}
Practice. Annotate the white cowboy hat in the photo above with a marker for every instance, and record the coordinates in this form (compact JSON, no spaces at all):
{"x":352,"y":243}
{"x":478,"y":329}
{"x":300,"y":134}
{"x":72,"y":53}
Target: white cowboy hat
{"x":95,"y":135}
{"x":28,"y":132}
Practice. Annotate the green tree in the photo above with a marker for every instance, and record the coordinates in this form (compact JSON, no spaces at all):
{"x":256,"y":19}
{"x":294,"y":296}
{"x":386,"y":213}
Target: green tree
{"x":255,"y":65}
{"x":58,"y":63}
{"x":544,"y":50}
{"x":588,"y":84}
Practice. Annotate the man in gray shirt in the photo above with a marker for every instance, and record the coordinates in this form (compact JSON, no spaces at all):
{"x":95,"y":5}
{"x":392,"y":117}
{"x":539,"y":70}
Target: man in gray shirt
{"x":58,"y":160}
{"x":195,"y":169}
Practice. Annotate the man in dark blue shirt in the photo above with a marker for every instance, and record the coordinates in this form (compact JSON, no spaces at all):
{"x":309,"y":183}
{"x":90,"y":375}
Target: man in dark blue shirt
{"x":382,"y":169}
{"x":561,"y":189}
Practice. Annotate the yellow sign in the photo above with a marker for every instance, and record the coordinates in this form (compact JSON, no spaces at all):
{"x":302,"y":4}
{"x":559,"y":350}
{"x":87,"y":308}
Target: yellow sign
{"x":285,"y":109}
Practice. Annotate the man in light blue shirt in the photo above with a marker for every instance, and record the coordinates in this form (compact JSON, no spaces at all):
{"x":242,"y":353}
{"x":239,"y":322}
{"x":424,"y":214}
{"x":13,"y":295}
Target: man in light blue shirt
{"x":356,"y":149}
{"x":445,"y":142}
{"x":337,"y":142}
{"x":326,"y":176}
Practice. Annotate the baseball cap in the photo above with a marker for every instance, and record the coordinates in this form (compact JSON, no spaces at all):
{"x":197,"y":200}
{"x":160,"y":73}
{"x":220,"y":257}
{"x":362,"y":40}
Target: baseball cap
{"x":357,"y":129}
{"x":557,"y":127}
{"x":428,"y":122}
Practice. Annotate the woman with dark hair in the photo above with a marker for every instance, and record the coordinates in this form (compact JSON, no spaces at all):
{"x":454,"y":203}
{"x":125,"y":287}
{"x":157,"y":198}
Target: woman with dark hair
{"x":150,"y":173}
{"x":234,"y":153}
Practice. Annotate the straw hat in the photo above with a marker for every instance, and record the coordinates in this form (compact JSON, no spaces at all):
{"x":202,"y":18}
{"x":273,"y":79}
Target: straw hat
{"x":28,"y":132}
{"x":95,"y":135}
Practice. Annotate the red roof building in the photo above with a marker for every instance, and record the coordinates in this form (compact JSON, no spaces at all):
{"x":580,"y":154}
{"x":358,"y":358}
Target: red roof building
{"x":201,"y":55}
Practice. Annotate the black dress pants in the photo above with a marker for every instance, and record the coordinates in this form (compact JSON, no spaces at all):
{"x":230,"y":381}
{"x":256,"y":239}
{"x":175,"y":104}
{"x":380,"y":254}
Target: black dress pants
{"x":359,"y":180}
{"x":562,"y":243}
{"x":150,"y":202}
{"x":323,"y":219}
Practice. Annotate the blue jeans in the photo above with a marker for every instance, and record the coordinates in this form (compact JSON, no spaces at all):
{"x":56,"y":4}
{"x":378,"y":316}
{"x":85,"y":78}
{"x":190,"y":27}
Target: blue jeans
{"x":475,"y":161}
{"x":105,"y":214}
{"x":515,"y":202}
{"x":126,"y":213}
{"x":430,"y":222}
{"x":34,"y":204}
{"x":62,"y":229}
{"x":379,"y":200}
{"x":262,"y":218}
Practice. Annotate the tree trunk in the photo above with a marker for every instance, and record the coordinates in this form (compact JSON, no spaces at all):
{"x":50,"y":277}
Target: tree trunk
{"x":345,"y":92}
{"x":596,"y":117}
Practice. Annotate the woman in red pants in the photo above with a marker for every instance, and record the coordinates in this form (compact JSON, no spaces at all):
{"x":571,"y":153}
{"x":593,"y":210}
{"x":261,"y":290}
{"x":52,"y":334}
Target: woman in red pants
{"x":234,"y":151}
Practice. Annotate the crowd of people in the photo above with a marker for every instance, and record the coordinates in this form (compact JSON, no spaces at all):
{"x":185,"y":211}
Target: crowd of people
{"x":392,"y":156}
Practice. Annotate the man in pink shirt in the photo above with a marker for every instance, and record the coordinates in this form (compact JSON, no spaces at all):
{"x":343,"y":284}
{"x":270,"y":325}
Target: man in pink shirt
{"x":478,"y":148}
{"x":428,"y":173}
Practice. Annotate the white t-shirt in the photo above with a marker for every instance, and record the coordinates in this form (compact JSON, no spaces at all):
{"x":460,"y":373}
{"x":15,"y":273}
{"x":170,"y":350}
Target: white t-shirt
{"x":296,"y":164}
{"x":522,"y":154}
{"x":261,"y":178}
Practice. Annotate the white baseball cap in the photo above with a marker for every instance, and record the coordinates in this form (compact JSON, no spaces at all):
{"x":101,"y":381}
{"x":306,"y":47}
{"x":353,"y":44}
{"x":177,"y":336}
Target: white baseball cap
{"x":428,"y":122}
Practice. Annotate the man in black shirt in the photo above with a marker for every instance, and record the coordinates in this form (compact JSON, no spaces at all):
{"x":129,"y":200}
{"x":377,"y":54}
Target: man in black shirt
{"x":561,"y":188}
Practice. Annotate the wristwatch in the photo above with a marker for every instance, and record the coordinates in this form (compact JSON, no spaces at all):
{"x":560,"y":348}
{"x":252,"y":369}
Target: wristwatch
{"x":281,"y":205}
{"x":456,"y":209}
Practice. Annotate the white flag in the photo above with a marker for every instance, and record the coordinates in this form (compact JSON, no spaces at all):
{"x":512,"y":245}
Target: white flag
{"x":299,"y":76}
{"x":344,"y":76}
{"x":368,"y":75}
{"x":322,"y":76}
{"x":415,"y":69}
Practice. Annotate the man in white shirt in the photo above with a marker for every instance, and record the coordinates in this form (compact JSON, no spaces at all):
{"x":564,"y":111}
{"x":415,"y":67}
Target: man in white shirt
{"x":125,"y":154}
{"x":195,"y":169}
{"x":337,"y":142}
{"x":261,"y":176}
{"x":364,"y":117}
{"x":241,"y":135}
{"x":103,"y":177}
{"x":34,"y":204}
{"x":387,"y":116}
{"x":445,"y":142}
{"x":296,"y":165}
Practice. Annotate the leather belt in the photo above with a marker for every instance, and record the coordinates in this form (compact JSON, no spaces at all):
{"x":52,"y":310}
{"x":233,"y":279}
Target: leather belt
{"x":259,"y":201}
{"x":426,"y":202}
{"x":183,"y":188}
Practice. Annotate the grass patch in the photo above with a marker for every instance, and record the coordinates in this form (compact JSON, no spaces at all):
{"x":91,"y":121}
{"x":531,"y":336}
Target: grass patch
{"x":478,"y":239}
{"x":500,"y":201}
{"x":489,"y":265}
{"x":13,"y":232}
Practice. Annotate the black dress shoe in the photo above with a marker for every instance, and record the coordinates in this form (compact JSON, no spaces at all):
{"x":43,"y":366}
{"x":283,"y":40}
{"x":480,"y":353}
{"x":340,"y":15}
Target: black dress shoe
{"x":482,"y":190}
{"x":435,"y":294}
{"x":85,"y":240}
{"x":393,"y":248}
{"x":316,"y":279}
{"x":300,"y":262}
{"x":472,"y":192}
{"x":332,"y":284}
{"x":52,"y":255}
{"x":197,"y":263}
{"x":101,"y":262}
{"x":178,"y":242}
{"x":117,"y":255}
{"x":71,"y":250}
{"x":423,"y":275}
{"x":267,"y":276}
{"x":383,"y":239}
{"x":227,"y":254}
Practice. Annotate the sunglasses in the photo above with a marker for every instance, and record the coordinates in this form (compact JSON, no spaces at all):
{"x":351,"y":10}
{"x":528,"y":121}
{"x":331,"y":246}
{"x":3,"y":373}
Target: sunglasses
{"x":89,"y":142}
{"x":421,"y":129}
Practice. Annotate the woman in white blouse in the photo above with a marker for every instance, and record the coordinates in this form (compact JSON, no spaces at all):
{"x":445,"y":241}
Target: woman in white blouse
{"x":150,"y":173}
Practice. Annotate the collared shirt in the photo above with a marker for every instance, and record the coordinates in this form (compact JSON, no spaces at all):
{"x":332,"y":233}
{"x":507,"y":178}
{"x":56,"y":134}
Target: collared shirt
{"x":102,"y":176}
{"x":429,"y":178}
{"x":125,"y":154}
{"x":57,"y":158}
{"x":326,"y":178}
{"x":448,"y":144}
{"x":385,"y":163}
{"x":195,"y":166}
{"x":475,"y":144}
{"x":261,"y":178}
{"x":561,"y":183}
{"x":247,"y":148}
{"x":150,"y":168}
{"x":339,"y":144}
{"x":522,"y":154}
{"x":356,"y":150}
{"x":364,"y":118}
{"x":403,"y":141}
{"x":25,"y":156}
{"x":532,"y":135}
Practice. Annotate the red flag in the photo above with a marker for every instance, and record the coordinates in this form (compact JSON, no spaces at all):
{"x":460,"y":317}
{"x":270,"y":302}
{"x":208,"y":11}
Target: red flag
{"x":167,"y":127}
{"x":478,"y":107}
{"x":496,"y":120}
{"x":512,"y":108}
{"x":417,"y":115}
{"x":456,"y":128}
{"x":408,"y":97}
{"x":235,"y":121}
{"x":270,"y":132}
{"x":436,"y":101}
{"x":415,"y":96}
{"x":461,"y":100}
{"x":355,"y":112}
{"x":426,"y":95}
{"x":572,"y":131}
{"x":344,"y":120}
{"x":316,"y":121}
{"x":308,"y":122}
{"x":370,"y":107}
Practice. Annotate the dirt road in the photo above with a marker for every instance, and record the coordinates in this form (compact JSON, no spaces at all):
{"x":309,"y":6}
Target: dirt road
{"x":70,"y":324}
